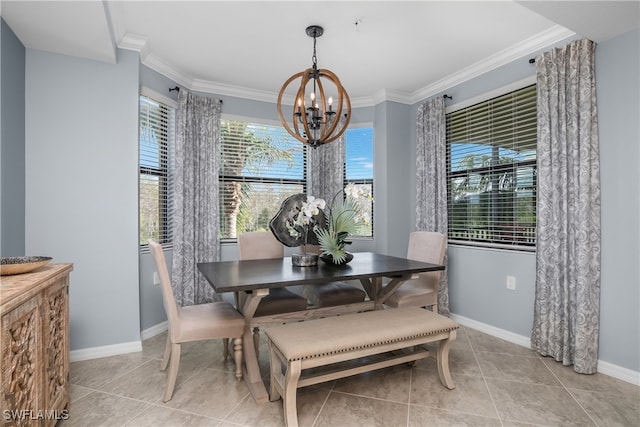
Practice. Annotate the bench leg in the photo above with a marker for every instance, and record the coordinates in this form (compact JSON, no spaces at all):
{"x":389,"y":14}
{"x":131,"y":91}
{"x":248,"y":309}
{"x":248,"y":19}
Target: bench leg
{"x":275,"y":372}
{"x":443,"y":361}
{"x":294,"y":369}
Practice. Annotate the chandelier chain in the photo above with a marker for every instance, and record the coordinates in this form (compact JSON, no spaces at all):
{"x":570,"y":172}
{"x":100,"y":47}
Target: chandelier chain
{"x":314,"y":58}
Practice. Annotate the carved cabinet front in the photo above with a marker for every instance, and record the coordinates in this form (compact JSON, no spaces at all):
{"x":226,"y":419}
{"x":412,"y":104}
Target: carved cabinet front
{"x":34,"y":345}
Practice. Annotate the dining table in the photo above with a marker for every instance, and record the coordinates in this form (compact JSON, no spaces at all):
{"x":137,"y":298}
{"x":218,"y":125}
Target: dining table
{"x":250,"y":281}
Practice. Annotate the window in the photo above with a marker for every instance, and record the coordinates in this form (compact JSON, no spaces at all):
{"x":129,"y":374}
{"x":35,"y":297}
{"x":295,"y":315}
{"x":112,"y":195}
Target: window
{"x":359,"y":165}
{"x":491,"y":172}
{"x":261,"y":165}
{"x":156,"y":147}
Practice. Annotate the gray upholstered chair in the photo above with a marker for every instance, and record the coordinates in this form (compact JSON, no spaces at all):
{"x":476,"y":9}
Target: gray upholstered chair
{"x":333,"y":293}
{"x":194,"y":323}
{"x":422,"y":290}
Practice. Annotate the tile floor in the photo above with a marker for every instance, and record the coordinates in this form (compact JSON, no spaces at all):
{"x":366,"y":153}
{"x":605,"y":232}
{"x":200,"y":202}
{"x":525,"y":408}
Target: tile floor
{"x":497,"y":384}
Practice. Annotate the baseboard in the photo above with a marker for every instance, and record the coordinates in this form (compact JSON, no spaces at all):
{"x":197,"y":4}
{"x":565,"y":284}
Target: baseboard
{"x":605,"y":368}
{"x":117,"y":349}
{"x":105,"y":351}
{"x":619,"y":372}
{"x":154,"y":330}
{"x":493,"y":331}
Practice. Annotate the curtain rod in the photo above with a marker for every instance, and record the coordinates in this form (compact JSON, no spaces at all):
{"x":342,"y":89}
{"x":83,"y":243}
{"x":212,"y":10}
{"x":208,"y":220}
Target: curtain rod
{"x":532,"y":60}
{"x":177,"y":88}
{"x":445,"y":96}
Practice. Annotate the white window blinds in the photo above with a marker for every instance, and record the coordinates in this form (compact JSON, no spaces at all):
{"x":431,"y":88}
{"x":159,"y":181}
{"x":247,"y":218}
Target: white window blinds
{"x":261,"y":165}
{"x":492,"y":171}
{"x":156,"y":150}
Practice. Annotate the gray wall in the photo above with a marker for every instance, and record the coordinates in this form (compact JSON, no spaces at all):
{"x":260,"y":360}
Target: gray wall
{"x":618,"y":92}
{"x":12,"y":208}
{"x":393,"y":150}
{"x":81,"y":187}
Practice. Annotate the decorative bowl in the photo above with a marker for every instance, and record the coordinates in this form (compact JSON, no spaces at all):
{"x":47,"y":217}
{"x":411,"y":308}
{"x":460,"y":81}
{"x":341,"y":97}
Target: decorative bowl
{"x":21,"y":264}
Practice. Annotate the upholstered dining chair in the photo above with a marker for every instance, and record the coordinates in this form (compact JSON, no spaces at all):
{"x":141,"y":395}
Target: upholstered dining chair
{"x":422,"y":290}
{"x":194,"y":323}
{"x":332,"y":293}
{"x":264,"y":245}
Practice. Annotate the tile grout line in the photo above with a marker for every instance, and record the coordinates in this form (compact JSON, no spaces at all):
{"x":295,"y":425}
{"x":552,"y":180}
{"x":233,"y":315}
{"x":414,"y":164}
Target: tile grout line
{"x":237,"y":405}
{"x":484,"y":379}
{"x":116,"y":377}
{"x":315,"y":420}
{"x":568,"y":391}
{"x":149,"y":404}
{"x":142,"y":411}
{"x":409,"y":399}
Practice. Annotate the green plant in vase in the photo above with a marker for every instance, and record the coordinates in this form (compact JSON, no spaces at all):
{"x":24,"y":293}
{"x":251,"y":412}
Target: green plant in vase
{"x":346,"y":217}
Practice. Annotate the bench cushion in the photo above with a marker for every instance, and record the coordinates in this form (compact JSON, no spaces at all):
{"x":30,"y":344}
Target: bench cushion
{"x":331,"y":335}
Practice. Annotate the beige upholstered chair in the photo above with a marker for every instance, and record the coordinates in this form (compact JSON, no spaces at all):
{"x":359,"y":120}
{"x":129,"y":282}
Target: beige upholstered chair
{"x":333,"y":293}
{"x":422,"y":291}
{"x":194,"y":323}
{"x":264,"y":245}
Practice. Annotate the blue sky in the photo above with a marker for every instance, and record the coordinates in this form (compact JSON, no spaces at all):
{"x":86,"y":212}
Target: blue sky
{"x":360,"y":153}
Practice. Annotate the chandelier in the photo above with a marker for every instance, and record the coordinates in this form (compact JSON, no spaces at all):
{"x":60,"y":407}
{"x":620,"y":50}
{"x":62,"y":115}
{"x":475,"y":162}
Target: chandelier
{"x":316,"y":119}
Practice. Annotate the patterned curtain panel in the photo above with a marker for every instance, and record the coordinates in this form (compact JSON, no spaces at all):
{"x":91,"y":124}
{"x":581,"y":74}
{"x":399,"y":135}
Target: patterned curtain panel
{"x":431,"y":180}
{"x":326,"y":169}
{"x":196,"y":210}
{"x":567,"y":304}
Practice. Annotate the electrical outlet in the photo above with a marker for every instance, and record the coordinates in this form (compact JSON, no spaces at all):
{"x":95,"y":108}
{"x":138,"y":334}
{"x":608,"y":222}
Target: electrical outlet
{"x":511,"y":282}
{"x":156,"y":278}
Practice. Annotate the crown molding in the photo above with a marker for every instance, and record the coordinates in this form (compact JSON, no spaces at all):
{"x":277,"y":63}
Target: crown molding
{"x":391,"y":95}
{"x":135,"y":42}
{"x":167,"y":70}
{"x":527,"y":47}
{"x":236,"y":91}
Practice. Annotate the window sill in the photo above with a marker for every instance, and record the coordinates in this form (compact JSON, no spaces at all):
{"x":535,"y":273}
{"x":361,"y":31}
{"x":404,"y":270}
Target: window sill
{"x":492,"y":246}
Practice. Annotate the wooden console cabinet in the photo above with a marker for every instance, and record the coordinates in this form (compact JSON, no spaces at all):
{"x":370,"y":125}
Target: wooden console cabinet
{"x":34,"y":345}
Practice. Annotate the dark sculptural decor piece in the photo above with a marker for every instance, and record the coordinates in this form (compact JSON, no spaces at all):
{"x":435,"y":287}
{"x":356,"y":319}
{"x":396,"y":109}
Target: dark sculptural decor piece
{"x":288,"y":212}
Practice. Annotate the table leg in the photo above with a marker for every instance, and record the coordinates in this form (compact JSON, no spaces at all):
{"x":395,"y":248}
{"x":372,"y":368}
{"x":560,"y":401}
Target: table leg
{"x":372,"y":287}
{"x":252,"y":375}
{"x":389,"y":289}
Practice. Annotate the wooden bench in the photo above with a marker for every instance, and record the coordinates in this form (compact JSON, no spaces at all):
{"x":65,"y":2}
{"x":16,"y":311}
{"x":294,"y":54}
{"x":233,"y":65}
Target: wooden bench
{"x":331,"y":340}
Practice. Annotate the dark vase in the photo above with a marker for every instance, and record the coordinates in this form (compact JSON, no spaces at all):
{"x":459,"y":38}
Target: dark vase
{"x":329,"y":259}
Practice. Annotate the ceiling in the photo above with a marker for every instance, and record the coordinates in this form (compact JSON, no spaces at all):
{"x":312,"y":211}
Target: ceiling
{"x":381,"y":50}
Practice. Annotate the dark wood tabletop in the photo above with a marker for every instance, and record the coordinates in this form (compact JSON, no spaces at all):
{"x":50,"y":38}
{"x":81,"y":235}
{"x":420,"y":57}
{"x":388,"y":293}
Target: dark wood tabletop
{"x":235,"y":276}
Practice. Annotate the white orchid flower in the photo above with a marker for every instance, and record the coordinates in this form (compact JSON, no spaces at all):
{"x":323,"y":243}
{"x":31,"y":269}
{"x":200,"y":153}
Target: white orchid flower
{"x":351,"y":190}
